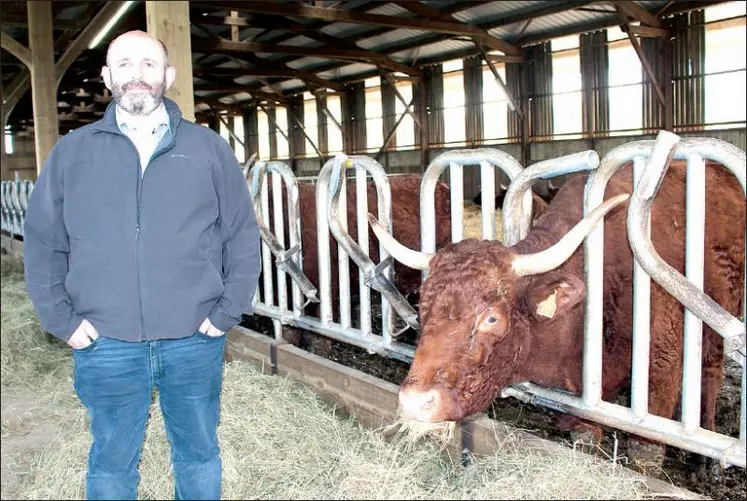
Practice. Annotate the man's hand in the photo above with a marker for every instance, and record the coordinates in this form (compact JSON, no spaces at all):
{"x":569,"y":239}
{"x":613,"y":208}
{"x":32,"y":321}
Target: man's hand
{"x":83,"y":336}
{"x":207,"y":328}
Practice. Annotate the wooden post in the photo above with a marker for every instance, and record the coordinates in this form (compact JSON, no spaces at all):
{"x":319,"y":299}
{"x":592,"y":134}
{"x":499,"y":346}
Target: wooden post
{"x":169,"y":22}
{"x":43,"y":82}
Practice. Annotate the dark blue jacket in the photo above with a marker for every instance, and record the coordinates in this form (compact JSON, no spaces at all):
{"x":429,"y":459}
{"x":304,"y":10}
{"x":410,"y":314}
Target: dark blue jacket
{"x":141,"y":257}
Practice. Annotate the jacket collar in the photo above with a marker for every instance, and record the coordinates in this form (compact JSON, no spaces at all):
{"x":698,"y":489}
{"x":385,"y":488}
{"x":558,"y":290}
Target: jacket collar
{"x":108,"y":123}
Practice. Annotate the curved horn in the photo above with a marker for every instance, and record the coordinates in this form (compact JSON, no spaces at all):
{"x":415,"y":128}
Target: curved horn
{"x":408,"y":257}
{"x":549,"y":259}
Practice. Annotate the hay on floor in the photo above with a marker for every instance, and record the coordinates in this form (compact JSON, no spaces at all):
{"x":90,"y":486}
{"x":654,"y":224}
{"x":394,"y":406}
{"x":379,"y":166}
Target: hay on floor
{"x":278,"y":440}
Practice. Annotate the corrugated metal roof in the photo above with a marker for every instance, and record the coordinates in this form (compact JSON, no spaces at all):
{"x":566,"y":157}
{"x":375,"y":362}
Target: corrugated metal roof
{"x":391,"y":38}
{"x":437,"y":49}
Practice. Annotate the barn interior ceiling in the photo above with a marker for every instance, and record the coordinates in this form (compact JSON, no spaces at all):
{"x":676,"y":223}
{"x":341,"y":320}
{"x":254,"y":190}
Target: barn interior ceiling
{"x":249,"y":52}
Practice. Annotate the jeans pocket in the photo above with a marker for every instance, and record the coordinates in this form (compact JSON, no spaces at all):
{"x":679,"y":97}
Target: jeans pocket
{"x":202,"y":334}
{"x":90,"y":347}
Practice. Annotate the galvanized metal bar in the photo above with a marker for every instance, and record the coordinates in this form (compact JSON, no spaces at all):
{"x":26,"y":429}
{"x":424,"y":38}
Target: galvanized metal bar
{"x":343,"y":262}
{"x":519,"y":197}
{"x":361,"y":193}
{"x":323,"y":247}
{"x":705,"y":442}
{"x":496,"y":158}
{"x":487,"y":193}
{"x":639,"y":385}
{"x":369,"y":342}
{"x":267,"y":262}
{"x":378,"y":276}
{"x":728,"y":326}
{"x":717,"y":150}
{"x":694,"y":271}
{"x":277,"y":212}
{"x":456,"y":183}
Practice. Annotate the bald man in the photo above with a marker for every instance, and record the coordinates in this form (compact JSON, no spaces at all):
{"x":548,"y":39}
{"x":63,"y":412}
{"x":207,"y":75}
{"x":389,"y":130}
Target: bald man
{"x":141,"y":249}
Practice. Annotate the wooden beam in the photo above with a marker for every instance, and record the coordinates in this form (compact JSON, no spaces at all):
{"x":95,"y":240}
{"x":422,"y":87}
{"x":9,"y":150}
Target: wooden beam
{"x":632,"y":9}
{"x":20,"y":21}
{"x":644,"y":60}
{"x":236,"y":88}
{"x":347,"y":16}
{"x":43,"y":87}
{"x":511,"y":100}
{"x":20,"y":51}
{"x":497,"y":58}
{"x":648,"y":31}
{"x":225,"y":46}
{"x":269,"y":71}
{"x":169,"y":21}
{"x":418,"y":8}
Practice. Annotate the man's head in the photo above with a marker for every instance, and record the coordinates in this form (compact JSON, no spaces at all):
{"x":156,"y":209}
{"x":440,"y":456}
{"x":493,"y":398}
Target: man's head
{"x":137,"y":72}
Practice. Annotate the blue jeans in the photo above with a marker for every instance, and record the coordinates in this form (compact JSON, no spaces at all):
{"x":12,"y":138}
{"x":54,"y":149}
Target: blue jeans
{"x":115,"y":380}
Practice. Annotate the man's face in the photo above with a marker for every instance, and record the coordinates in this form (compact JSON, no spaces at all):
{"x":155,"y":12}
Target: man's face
{"x":137,"y":74}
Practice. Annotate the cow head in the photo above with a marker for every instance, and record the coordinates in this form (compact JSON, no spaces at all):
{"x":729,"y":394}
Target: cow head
{"x":480,"y":306}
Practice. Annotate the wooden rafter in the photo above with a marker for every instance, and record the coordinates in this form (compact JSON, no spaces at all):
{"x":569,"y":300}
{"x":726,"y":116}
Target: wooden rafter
{"x":347,"y":16}
{"x":225,"y":46}
{"x":635,"y":11}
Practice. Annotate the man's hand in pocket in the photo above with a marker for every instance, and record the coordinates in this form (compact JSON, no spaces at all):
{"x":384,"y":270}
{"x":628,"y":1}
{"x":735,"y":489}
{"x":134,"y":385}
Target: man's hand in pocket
{"x":207,"y":328}
{"x":83,"y":336}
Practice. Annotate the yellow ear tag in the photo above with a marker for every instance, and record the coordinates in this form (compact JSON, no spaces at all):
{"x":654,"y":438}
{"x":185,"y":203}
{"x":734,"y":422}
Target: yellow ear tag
{"x":549,"y":306}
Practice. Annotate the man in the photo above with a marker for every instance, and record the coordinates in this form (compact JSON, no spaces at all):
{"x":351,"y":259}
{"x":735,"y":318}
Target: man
{"x":141,"y":250}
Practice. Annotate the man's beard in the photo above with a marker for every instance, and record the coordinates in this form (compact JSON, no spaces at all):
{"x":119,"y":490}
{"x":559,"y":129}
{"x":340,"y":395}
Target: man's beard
{"x":141,"y":102}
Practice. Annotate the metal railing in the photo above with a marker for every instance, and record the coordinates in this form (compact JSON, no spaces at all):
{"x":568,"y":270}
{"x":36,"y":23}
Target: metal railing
{"x":649,"y":166}
{"x":649,"y":163}
{"x":14,"y":196}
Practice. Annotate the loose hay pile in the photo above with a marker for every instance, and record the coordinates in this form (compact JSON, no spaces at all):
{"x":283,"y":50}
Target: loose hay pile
{"x":473,"y":222}
{"x":278,"y":440}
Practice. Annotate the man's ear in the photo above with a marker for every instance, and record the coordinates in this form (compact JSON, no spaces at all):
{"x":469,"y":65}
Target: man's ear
{"x":106,"y":76}
{"x":170,"y":77}
{"x":554,"y":294}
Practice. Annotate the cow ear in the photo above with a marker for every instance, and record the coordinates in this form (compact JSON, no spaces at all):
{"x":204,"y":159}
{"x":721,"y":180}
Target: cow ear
{"x":554,"y":294}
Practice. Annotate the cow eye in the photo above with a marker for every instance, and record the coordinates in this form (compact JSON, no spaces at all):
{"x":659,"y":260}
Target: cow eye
{"x":491,"y":319}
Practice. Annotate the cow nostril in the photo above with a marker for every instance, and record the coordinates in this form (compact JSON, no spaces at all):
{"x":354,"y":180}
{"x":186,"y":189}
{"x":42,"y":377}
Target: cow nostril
{"x":429,"y":402}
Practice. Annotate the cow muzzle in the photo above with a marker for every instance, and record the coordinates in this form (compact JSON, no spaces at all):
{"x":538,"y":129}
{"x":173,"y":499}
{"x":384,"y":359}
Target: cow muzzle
{"x":424,"y":406}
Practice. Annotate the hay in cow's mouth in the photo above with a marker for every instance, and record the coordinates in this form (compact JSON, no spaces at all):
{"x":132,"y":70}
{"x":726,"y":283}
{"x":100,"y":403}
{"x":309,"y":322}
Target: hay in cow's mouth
{"x":410,"y":432}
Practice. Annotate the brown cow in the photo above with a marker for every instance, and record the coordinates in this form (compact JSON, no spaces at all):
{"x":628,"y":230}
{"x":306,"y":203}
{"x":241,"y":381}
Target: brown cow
{"x":493,"y":316}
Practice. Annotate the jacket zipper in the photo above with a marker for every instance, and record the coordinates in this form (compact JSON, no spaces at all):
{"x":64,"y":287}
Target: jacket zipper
{"x":138,"y":193}
{"x":140,"y":176}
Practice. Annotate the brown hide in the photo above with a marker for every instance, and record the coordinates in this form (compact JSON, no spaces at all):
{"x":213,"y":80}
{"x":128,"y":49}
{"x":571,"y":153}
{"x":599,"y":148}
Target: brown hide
{"x":405,"y":196}
{"x":484,"y":327}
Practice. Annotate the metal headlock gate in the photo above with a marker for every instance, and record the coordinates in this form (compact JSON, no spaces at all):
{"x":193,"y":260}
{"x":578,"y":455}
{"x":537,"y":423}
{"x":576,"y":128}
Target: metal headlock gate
{"x":649,"y":161}
{"x":14,"y":196}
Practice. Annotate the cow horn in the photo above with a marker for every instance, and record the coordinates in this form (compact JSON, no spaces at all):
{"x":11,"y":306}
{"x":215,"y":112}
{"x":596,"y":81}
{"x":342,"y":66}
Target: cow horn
{"x":549,"y":259}
{"x":408,"y":257}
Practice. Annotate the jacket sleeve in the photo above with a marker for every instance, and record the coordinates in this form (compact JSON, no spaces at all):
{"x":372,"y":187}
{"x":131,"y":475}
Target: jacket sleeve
{"x":241,"y":244}
{"x":45,"y":252}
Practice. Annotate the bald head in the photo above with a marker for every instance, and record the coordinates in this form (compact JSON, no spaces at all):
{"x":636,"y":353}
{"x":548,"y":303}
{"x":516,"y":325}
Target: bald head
{"x":124,"y":38}
{"x":137,"y":72}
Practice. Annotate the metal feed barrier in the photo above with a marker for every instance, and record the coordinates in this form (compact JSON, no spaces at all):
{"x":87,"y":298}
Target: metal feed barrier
{"x":14,"y":196}
{"x":649,"y":168}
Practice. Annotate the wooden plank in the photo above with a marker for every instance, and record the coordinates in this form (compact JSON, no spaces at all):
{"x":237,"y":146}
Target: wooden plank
{"x":372,"y":400}
{"x":251,"y":347}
